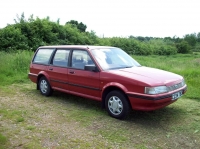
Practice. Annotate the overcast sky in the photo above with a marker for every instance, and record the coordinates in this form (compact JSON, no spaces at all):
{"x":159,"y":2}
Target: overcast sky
{"x":121,"y":18}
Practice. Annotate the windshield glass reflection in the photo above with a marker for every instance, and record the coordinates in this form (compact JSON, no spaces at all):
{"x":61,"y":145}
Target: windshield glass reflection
{"x":113,"y":58}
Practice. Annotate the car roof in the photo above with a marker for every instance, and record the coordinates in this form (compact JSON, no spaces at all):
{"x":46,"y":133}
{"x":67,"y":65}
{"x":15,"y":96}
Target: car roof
{"x":77,"y":46}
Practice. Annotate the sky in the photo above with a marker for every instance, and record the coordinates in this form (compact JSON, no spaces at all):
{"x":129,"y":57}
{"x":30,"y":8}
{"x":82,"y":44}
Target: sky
{"x":113,"y":18}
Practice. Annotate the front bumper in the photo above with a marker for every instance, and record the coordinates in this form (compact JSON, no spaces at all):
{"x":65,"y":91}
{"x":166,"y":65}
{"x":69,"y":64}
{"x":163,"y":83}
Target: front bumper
{"x":146,"y":102}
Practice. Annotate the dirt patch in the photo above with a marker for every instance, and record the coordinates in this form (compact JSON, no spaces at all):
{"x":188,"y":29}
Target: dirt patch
{"x":197,"y":61}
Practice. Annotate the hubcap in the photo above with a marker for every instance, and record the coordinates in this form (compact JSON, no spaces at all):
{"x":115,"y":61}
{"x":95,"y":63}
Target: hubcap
{"x":43,"y":86}
{"x":115,"y":105}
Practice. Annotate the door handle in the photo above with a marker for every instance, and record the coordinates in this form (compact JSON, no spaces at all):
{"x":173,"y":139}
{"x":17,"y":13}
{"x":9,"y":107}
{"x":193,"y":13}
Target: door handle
{"x":71,"y":72}
{"x":50,"y":68}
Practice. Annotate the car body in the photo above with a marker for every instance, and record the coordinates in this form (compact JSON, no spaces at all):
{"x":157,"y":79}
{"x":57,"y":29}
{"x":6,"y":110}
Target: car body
{"x":105,"y":74}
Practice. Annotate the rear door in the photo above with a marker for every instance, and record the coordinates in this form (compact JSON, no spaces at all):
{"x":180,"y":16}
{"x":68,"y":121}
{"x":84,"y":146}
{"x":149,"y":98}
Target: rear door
{"x":82,"y":82}
{"x":58,"y":69}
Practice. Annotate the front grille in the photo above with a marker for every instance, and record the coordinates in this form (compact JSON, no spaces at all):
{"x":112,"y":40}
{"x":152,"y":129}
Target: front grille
{"x":175,"y":87}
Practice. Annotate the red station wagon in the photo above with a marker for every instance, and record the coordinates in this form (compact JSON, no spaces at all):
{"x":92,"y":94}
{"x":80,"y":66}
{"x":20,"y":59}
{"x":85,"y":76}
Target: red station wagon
{"x":106,"y":74}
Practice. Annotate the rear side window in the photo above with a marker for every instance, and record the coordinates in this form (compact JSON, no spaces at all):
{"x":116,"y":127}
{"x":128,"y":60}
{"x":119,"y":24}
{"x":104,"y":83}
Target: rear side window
{"x":61,"y":58}
{"x":43,"y":55}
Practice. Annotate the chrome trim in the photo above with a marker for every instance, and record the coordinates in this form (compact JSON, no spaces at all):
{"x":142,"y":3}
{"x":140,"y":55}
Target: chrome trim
{"x":175,"y":86}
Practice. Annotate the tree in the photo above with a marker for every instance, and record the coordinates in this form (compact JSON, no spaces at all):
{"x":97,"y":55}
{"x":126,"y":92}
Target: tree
{"x":82,"y":27}
{"x":140,"y":38}
{"x":11,"y":39}
{"x":198,"y":37}
{"x":191,"y":39}
{"x":183,"y":47}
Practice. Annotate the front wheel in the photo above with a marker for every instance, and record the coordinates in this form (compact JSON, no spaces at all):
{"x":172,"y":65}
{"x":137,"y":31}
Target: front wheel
{"x":117,"y":105}
{"x":45,"y":87}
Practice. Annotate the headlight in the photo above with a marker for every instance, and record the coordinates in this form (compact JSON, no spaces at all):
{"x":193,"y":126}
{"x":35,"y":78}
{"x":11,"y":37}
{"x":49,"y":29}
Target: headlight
{"x":182,"y":83}
{"x":155,"y":90}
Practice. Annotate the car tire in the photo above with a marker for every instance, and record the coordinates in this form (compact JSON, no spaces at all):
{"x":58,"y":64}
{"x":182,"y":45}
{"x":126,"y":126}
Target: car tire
{"x":117,"y":105}
{"x":45,"y":87}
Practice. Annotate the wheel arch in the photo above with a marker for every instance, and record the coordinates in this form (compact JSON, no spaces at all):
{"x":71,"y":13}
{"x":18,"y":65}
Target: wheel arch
{"x":110,"y":88}
{"x":42,"y":74}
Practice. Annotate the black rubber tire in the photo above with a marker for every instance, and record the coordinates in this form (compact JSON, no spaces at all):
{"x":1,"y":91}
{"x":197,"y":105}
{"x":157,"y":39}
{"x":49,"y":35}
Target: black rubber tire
{"x":45,"y":87}
{"x":117,"y":105}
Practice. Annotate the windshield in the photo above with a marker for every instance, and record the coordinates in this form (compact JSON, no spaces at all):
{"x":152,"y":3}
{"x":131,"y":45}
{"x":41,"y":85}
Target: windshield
{"x":113,"y":58}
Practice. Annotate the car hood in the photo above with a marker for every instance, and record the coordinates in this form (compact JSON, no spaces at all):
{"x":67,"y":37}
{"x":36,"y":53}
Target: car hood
{"x":150,"y":76}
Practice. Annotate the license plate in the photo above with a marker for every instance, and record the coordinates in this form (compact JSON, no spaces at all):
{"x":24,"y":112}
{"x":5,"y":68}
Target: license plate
{"x":176,"y":95}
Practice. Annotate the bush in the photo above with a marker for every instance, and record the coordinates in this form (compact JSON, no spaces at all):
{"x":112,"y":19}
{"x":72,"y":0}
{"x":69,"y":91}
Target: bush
{"x":197,"y":48}
{"x":183,"y":47}
{"x":11,"y":39}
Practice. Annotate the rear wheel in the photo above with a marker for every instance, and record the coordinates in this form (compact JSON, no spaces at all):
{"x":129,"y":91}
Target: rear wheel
{"x":117,"y":105}
{"x":45,"y":87}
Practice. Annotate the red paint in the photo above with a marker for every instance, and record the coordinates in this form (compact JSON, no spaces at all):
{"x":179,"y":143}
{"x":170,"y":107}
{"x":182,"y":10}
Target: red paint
{"x":90,"y":84}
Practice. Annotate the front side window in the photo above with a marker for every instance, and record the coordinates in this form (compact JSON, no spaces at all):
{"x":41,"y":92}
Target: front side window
{"x":61,"y":58}
{"x":113,"y":58}
{"x":81,"y":58}
{"x":43,"y":56}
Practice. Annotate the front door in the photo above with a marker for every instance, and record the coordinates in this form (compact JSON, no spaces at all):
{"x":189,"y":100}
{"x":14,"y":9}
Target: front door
{"x":82,"y":82}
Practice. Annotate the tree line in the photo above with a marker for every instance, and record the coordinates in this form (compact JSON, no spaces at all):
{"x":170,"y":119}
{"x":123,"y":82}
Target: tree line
{"x":29,"y":34}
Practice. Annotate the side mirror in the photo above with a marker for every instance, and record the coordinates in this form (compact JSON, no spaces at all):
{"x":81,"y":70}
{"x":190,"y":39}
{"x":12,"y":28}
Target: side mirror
{"x":91,"y":68}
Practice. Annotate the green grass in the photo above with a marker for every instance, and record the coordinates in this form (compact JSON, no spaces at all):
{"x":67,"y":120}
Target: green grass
{"x":14,"y":67}
{"x":3,"y":141}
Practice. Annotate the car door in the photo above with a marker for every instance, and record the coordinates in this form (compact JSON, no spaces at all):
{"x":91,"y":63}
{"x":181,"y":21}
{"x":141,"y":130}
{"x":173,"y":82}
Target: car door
{"x":82,"y":82}
{"x":58,"y":69}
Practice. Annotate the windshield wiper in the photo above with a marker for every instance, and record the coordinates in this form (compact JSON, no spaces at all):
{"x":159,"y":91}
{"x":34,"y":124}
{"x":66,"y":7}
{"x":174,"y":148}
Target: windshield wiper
{"x":128,"y":66}
{"x":122,"y":67}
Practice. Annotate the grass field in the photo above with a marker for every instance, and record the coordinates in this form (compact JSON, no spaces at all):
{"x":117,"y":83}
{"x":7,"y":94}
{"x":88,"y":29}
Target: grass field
{"x":30,"y":120}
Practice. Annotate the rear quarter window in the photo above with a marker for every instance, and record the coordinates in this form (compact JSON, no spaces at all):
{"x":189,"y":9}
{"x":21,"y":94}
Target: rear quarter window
{"x":43,"y":56}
